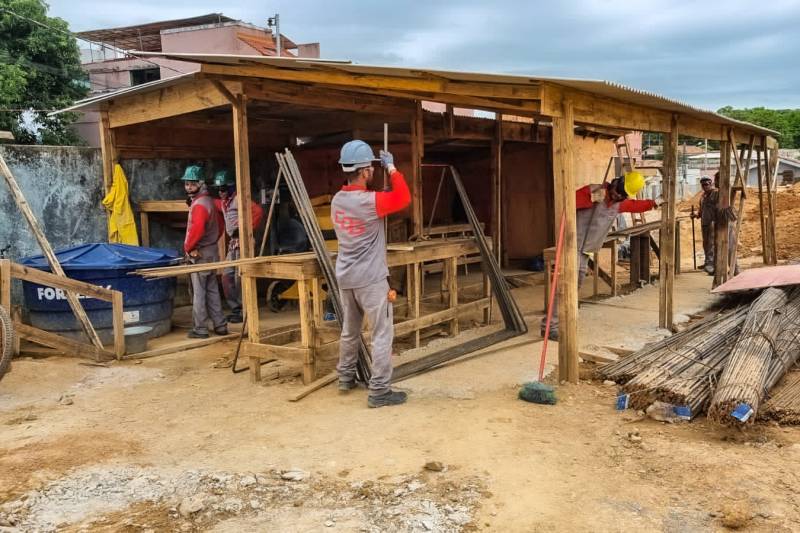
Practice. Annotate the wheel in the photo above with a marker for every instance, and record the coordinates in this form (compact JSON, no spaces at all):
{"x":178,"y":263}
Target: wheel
{"x":274,"y":289}
{"x":6,"y":340}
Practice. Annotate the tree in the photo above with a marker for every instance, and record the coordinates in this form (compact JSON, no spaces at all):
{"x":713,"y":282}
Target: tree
{"x":40,"y":71}
{"x":785,"y":121}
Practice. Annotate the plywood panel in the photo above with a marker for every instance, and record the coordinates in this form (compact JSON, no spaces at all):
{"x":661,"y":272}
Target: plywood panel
{"x":527,"y":199}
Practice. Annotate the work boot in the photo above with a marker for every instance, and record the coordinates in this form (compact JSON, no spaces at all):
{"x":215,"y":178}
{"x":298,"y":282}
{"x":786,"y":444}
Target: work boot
{"x":392,"y":397}
{"x":553,"y":336}
{"x":222,"y":330}
{"x":194,"y":334}
{"x":347,"y":386}
{"x":235,"y":318}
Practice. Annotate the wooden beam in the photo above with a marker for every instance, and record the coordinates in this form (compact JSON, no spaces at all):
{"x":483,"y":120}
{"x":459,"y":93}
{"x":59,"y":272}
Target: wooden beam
{"x":761,"y":213}
{"x":63,"y":344}
{"x":34,"y":275}
{"x":772,"y":186}
{"x":186,"y":97}
{"x":721,"y":225}
{"x":224,"y":91}
{"x":417,"y":148}
{"x":564,"y":190}
{"x":48,"y":252}
{"x":108,"y":150}
{"x":347,"y":79}
{"x":497,"y":189}
{"x":667,"y":259}
{"x":5,"y":284}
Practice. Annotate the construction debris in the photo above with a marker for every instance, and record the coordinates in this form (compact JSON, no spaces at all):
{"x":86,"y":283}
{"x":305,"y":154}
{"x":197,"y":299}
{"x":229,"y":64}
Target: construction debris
{"x":726,"y":363}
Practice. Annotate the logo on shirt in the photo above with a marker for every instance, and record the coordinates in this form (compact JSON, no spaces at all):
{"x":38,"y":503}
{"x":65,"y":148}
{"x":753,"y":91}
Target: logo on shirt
{"x":353,"y":226}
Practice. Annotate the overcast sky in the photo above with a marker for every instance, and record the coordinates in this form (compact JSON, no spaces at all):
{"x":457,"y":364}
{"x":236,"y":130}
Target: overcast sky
{"x":709,"y":54}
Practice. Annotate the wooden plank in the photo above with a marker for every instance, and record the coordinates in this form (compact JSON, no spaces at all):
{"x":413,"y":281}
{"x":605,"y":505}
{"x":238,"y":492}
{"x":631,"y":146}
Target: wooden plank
{"x":416,"y":298}
{"x":182,"y":346}
{"x":186,"y":97}
{"x":398,"y":83}
{"x":144,"y":228}
{"x":5,"y":284}
{"x":162,"y":206}
{"x":41,"y":277}
{"x":275,"y":351}
{"x":446,"y":315}
{"x":66,"y":345}
{"x":108,"y":150}
{"x":667,"y":259}
{"x":721,"y":226}
{"x":497,"y":191}
{"x":316,"y":301}
{"x":564,"y":190}
{"x":48,"y":252}
{"x":308,"y":334}
{"x":315,"y":386}
{"x":119,"y":324}
{"x":417,"y":221}
{"x":595,"y":358}
{"x":452,"y":292}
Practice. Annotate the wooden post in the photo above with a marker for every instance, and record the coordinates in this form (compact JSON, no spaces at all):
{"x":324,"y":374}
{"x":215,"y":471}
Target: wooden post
{"x":416,"y":269}
{"x":451,"y":265}
{"x":307,"y":333}
{"x":677,"y":247}
{"x":144,"y":226}
{"x":772,"y":186}
{"x":47,"y":250}
{"x":417,"y":153}
{"x":564,"y":190}
{"x":316,"y":300}
{"x":666,"y":263}
{"x":487,"y":293}
{"x":614,"y":267}
{"x":721,"y":227}
{"x":241,"y":149}
{"x":764,"y":251}
{"x":596,"y":274}
{"x":742,"y":169}
{"x":5,"y":284}
{"x":118,"y":323}
{"x":497,"y":193}
{"x":108,"y":150}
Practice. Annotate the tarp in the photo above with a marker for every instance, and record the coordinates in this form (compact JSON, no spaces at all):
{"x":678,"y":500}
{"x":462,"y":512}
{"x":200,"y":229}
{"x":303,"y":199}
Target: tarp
{"x":105,"y":256}
{"x":121,"y":224}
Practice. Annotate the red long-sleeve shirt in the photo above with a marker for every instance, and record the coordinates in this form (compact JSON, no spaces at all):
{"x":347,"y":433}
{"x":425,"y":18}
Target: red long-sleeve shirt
{"x":388,"y":202}
{"x":583,"y":200}
{"x":200,"y":212}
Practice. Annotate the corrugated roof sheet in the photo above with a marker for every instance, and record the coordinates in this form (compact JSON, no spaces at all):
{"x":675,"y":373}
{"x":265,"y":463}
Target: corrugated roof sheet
{"x":598,"y":87}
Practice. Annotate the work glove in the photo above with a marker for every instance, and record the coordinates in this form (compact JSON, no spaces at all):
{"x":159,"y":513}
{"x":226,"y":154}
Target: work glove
{"x":659,"y":201}
{"x":387,"y":160}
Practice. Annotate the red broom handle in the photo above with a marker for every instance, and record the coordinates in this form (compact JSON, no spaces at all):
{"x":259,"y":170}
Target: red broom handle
{"x":553,"y":286}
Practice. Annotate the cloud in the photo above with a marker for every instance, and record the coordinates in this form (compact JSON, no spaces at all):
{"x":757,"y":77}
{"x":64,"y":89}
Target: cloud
{"x":708,"y":54}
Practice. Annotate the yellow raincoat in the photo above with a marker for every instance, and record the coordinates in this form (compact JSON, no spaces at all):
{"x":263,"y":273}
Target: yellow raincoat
{"x":121,"y":224}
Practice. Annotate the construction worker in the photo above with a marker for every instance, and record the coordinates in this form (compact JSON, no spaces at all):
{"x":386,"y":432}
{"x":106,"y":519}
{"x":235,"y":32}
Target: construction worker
{"x":361,"y":270}
{"x":707,"y":213}
{"x":203,"y":230}
{"x":227,"y":204}
{"x":597,"y":207}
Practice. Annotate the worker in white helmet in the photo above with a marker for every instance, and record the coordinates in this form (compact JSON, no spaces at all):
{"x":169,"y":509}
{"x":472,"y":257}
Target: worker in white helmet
{"x":597,"y":206}
{"x":361,"y":269}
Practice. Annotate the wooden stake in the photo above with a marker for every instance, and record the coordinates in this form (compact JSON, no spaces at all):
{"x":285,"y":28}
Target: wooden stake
{"x":47,"y":250}
{"x":666,"y":263}
{"x":108,"y":150}
{"x":563,"y":173}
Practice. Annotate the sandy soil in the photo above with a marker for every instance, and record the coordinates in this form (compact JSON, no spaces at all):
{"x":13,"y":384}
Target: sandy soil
{"x":134,"y":443}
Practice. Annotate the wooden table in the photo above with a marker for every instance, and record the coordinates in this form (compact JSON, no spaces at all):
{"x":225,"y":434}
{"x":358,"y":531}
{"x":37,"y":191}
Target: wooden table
{"x":319,"y":342}
{"x":549,"y":263}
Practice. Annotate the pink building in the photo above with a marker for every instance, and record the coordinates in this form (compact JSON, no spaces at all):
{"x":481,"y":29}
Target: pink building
{"x":110,"y":68}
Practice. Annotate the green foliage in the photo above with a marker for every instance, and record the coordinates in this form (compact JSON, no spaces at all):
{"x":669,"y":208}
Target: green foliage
{"x":785,"y":121}
{"x":40,"y":70}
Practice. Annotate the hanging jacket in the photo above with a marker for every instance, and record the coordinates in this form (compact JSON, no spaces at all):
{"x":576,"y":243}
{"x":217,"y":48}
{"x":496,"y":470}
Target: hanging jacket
{"x":121,"y":223}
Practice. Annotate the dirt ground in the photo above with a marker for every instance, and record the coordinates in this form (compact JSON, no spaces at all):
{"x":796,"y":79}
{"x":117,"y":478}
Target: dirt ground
{"x":174,"y":444}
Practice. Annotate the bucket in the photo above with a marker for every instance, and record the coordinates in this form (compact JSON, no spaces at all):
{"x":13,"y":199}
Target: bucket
{"x":136,"y":339}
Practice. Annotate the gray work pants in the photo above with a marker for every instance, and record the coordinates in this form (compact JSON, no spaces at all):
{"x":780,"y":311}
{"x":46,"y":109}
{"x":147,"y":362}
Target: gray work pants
{"x":709,"y":236}
{"x":372,"y":302}
{"x":232,"y":285}
{"x":206,"y":300}
{"x":583,"y":267}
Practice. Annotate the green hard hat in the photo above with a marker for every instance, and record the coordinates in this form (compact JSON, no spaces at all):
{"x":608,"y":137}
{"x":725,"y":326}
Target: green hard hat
{"x":223,"y":177}
{"x":193,"y":173}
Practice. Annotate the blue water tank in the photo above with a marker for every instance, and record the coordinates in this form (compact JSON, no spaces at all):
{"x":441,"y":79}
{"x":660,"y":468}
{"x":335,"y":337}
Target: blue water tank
{"x":146,"y":302}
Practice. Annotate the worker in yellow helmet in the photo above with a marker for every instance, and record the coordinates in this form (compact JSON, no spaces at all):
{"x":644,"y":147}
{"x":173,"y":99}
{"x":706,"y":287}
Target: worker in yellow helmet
{"x":597,"y":207}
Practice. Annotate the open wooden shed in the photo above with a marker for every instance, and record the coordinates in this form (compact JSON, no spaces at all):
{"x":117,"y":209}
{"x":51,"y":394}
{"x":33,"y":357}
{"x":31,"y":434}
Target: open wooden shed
{"x":244,"y":106}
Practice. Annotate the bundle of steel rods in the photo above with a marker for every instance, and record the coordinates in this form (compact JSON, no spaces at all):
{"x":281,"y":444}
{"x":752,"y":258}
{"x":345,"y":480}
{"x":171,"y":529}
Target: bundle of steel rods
{"x":784,"y":406}
{"x":288,"y":166}
{"x":744,"y":381}
{"x":628,"y":367}
{"x":687,"y":361}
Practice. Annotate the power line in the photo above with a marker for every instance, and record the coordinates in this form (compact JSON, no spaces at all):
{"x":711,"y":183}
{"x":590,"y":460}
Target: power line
{"x":76,"y":36}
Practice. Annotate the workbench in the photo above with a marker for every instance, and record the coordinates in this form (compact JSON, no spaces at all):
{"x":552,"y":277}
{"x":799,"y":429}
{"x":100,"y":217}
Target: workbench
{"x":318,"y":343}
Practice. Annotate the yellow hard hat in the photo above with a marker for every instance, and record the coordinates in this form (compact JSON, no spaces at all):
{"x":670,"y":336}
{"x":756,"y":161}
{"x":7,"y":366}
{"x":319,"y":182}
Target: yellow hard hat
{"x":634,"y":182}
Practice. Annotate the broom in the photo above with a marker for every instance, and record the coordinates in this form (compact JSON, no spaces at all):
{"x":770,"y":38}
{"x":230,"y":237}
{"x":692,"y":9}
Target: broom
{"x":536,"y":391}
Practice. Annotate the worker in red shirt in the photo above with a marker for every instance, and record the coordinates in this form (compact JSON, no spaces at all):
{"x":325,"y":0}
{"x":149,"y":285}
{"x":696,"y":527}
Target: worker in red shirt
{"x":229,"y":207}
{"x":597,"y":207}
{"x":203,"y":230}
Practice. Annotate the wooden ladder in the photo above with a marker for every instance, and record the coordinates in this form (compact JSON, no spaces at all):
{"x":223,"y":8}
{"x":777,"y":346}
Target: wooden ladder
{"x":626,"y":162}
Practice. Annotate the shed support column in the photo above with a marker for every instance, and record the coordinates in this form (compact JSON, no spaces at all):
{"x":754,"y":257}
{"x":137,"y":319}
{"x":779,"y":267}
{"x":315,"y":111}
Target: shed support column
{"x":417,"y":153}
{"x":761,"y":213}
{"x":497,"y":194}
{"x":241,"y":148}
{"x":721,"y":228}
{"x":108,"y":151}
{"x":772,"y":187}
{"x":666,"y":263}
{"x":563,"y":173}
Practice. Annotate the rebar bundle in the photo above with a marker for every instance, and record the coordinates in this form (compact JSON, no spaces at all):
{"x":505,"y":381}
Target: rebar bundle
{"x":758,"y":357}
{"x":784,"y":407}
{"x":691,"y":360}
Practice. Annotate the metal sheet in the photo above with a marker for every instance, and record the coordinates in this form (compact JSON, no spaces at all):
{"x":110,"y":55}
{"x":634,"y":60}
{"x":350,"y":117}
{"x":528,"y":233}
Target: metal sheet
{"x":761,"y":278}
